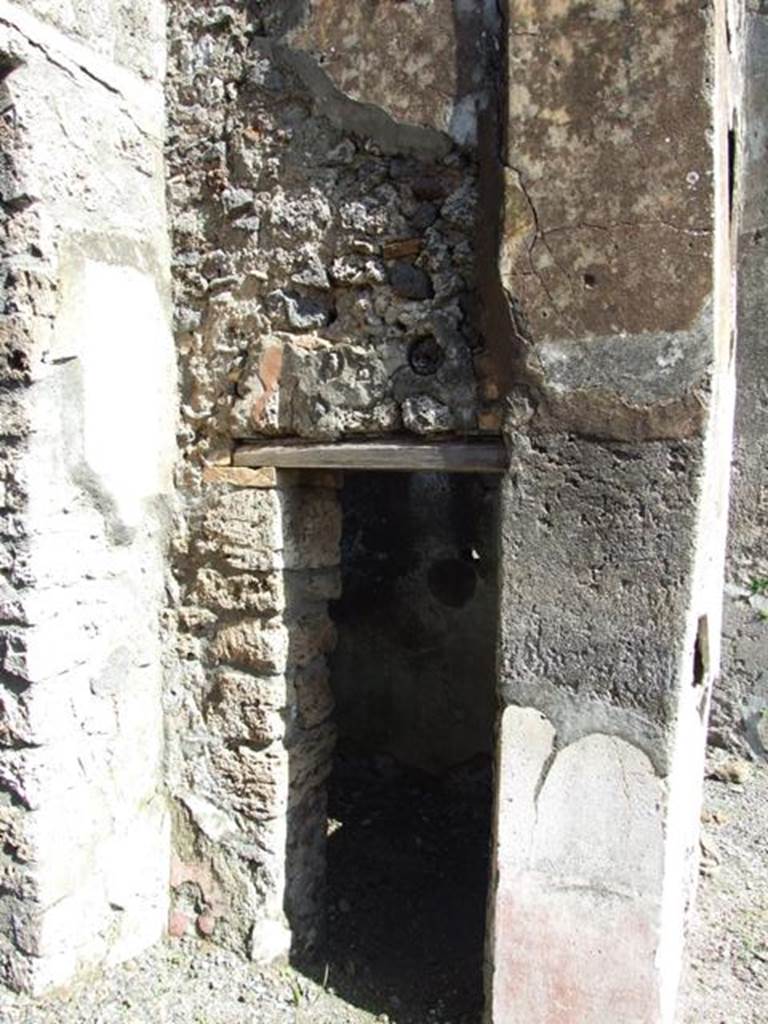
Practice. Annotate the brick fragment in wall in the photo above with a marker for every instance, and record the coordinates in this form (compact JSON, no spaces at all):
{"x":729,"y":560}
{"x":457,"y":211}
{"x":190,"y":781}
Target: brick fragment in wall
{"x":240,"y":476}
{"x":269,"y":476}
{"x":200,"y":875}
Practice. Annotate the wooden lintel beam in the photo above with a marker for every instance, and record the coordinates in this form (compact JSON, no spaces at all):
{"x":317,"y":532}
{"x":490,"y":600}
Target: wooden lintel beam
{"x":441,"y":456}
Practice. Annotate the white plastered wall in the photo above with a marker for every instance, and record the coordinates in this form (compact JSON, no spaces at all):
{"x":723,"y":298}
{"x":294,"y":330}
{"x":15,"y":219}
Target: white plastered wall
{"x":83,"y":666}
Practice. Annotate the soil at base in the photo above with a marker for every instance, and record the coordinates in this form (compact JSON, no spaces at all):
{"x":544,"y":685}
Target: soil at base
{"x":189,"y":981}
{"x":407,"y":876}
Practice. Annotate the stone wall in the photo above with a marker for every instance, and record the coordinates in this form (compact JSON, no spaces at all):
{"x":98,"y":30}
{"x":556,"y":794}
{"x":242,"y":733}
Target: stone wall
{"x":616,"y":258}
{"x":740,"y":712}
{"x":249,"y":731}
{"x":325,"y":236}
{"x":328,"y":273}
{"x":86,"y":454}
{"x":353,"y":258}
{"x":547,"y":201}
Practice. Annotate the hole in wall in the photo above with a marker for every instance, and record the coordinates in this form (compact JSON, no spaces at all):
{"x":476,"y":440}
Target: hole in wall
{"x":8,"y":64}
{"x":732,"y":169}
{"x":701,"y":653}
{"x":425,"y":356}
{"x":410,"y":795}
{"x":701,"y":666}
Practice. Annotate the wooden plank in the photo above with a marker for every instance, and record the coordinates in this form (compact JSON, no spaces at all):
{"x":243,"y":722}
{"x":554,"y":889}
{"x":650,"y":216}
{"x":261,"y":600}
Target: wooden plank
{"x":442,"y":456}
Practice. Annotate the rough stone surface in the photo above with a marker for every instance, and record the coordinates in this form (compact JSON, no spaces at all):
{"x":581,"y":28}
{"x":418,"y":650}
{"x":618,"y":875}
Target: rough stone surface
{"x":433,"y":82}
{"x":326,"y":273}
{"x":130,"y":33}
{"x":250,"y":737}
{"x":597,"y":546}
{"x":741,"y":700}
{"x":609,"y":624}
{"x":313,"y":262}
{"x":615,"y":257}
{"x":86,"y":497}
{"x":606,"y":250}
{"x":369,"y":235}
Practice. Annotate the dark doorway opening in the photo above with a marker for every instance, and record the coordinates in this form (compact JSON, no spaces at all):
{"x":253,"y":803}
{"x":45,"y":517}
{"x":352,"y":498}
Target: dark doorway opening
{"x":410,"y":797}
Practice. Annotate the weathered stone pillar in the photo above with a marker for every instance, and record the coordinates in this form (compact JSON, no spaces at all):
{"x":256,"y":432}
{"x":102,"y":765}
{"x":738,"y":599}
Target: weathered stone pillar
{"x":616,"y":262}
{"x":740,"y":710}
{"x":87,"y":404}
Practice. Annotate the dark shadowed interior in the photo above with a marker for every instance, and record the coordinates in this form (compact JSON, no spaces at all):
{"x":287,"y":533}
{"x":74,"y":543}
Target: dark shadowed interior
{"x":410,"y":797}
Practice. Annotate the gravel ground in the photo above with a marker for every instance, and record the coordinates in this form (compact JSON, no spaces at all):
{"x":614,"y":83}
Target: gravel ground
{"x":187,"y":983}
{"x":726,"y":978}
{"x":190,"y":982}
